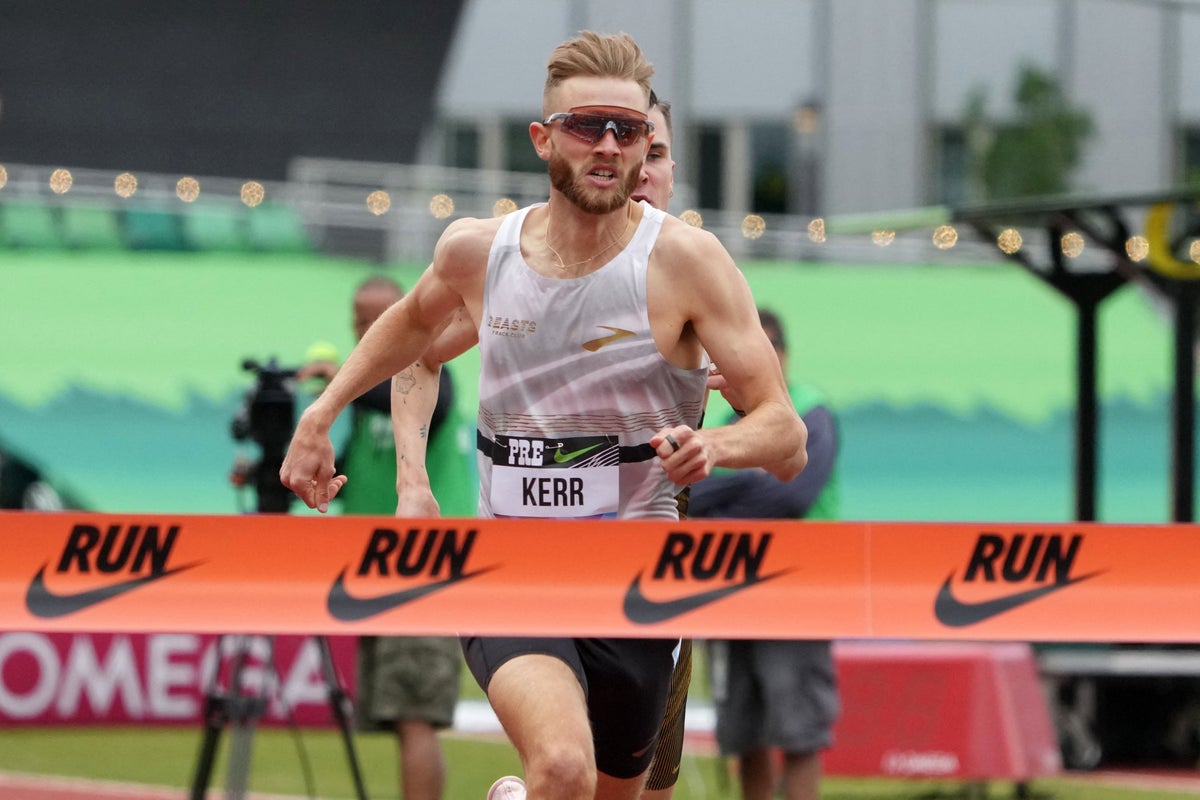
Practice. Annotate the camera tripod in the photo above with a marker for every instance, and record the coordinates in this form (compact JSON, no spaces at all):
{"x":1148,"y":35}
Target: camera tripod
{"x":240,"y":707}
{"x":267,"y":417}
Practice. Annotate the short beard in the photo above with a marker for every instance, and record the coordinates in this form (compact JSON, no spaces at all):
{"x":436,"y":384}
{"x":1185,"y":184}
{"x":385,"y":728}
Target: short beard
{"x":564,"y":180}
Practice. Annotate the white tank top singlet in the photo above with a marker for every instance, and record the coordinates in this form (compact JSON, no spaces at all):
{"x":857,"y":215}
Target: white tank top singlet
{"x":572,"y":387}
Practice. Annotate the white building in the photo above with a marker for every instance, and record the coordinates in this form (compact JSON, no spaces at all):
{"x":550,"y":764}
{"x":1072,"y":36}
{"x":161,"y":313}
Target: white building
{"x":843,"y":106}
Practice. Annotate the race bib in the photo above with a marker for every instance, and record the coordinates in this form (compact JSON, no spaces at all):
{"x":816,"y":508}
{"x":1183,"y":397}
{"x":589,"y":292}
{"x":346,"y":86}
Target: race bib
{"x":556,"y":478}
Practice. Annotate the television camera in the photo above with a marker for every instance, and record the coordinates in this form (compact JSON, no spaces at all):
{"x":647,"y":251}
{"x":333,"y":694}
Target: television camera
{"x":267,"y":417}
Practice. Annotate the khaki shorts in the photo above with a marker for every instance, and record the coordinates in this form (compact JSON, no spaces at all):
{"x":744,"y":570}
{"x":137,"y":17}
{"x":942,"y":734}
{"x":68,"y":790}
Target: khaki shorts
{"x":407,"y":678}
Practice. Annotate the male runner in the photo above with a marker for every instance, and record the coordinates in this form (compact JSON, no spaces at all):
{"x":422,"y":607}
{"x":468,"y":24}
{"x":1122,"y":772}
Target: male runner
{"x":594,"y":314}
{"x":412,"y":408}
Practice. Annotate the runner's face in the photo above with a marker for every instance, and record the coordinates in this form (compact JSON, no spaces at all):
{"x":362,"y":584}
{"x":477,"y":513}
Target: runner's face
{"x":597,"y":177}
{"x":657,"y":178}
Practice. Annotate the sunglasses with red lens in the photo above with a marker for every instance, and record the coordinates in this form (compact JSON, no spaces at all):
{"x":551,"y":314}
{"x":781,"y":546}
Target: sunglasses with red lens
{"x":591,"y":127}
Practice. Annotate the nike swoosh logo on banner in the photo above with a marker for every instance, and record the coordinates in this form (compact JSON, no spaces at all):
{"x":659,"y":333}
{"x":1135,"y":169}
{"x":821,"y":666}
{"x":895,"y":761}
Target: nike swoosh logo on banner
{"x":348,"y":608}
{"x":954,"y":613}
{"x":644,"y":611}
{"x":617,"y":333}
{"x":560,"y":457}
{"x":44,"y":603}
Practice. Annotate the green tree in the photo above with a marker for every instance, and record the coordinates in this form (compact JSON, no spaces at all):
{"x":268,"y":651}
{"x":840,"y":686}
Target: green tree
{"x":1037,"y":151}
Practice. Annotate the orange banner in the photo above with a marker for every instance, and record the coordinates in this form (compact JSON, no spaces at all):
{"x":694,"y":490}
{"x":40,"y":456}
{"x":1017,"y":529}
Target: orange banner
{"x":702,"y":578}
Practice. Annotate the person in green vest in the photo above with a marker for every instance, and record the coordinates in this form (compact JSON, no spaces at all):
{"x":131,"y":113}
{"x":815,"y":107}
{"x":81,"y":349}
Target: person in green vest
{"x":776,"y":695}
{"x":406,"y":684}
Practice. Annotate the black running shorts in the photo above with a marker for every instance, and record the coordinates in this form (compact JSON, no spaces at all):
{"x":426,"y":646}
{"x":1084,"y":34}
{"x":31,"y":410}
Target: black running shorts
{"x":625,"y":682}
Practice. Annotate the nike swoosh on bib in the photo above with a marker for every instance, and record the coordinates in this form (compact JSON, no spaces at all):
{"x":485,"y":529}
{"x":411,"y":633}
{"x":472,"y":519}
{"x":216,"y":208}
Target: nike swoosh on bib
{"x":644,"y":611}
{"x":44,"y":603}
{"x":348,"y":608}
{"x":561,"y":458}
{"x":954,"y":613}
{"x":617,"y":333}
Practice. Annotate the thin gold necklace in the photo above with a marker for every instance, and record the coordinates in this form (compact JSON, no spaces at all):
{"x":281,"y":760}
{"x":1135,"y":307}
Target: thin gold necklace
{"x":563,"y":267}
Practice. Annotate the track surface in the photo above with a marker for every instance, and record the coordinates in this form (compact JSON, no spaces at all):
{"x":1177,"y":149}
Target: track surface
{"x":21,"y":786}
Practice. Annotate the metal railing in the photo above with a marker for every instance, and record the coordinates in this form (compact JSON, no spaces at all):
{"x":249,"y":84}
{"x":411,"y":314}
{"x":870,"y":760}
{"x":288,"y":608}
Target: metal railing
{"x":330,"y":196}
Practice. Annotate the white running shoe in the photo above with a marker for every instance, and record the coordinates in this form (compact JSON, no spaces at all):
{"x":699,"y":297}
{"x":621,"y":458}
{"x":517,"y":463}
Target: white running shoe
{"x":509,"y":787}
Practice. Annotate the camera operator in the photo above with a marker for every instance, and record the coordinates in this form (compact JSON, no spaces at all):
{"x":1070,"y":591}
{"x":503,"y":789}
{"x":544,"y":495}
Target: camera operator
{"x":370,"y":453}
{"x":267,"y":417}
{"x":406,"y":684}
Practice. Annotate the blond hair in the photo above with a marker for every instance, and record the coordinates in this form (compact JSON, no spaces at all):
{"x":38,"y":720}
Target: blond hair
{"x":595,"y":55}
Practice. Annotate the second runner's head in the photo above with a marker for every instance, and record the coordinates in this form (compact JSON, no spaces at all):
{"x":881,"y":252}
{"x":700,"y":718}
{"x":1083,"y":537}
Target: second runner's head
{"x":656,"y":185}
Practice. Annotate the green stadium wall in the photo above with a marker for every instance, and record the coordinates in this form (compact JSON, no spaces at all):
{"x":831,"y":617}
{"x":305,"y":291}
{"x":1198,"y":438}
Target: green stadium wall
{"x":954,"y":385}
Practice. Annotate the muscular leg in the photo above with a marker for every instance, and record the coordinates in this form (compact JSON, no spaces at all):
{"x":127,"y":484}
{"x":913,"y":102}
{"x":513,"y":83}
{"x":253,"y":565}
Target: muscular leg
{"x":549,"y":727}
{"x":541,"y":705}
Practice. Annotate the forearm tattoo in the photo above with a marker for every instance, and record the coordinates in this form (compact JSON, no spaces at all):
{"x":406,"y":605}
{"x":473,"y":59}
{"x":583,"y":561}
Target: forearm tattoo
{"x":404,"y":381}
